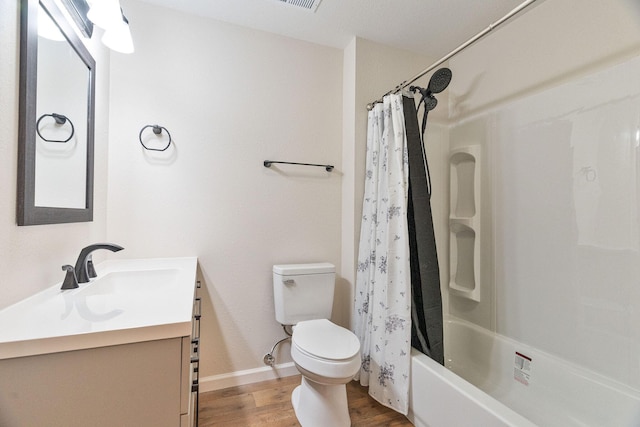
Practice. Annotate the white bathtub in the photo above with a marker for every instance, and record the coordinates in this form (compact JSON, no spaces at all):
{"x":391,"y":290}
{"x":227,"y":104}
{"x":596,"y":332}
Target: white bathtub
{"x":501,"y":389}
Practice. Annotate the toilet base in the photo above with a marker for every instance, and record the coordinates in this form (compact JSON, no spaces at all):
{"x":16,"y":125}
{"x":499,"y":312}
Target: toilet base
{"x":321,"y":405}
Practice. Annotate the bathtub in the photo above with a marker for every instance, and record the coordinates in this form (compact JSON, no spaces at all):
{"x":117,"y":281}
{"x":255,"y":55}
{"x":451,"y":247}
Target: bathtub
{"x":491,"y":380}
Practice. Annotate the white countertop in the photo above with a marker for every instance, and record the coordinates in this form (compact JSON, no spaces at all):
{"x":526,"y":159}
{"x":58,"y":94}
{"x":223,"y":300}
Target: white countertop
{"x":130,"y":301}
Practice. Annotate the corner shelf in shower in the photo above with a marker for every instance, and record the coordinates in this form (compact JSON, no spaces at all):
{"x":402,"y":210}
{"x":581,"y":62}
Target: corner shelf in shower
{"x":464,"y":223}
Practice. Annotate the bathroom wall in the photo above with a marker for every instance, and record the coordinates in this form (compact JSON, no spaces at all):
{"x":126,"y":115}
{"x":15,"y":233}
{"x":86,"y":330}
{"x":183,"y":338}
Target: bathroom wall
{"x":552,"y":99}
{"x":231,"y":97}
{"x":31,"y":256}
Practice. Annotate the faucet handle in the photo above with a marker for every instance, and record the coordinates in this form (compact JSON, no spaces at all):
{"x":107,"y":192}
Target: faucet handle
{"x":91,"y":271}
{"x":70,"y":279}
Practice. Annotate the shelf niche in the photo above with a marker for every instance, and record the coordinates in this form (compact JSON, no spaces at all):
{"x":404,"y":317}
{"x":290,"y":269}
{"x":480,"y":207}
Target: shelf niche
{"x":464,"y":223}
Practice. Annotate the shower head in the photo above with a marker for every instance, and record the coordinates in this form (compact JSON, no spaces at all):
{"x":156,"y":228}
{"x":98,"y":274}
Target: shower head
{"x":439,"y":80}
{"x":430,"y":102}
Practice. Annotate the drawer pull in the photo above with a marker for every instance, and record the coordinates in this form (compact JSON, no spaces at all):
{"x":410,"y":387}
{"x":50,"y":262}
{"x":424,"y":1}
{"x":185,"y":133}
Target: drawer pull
{"x":197,"y":307}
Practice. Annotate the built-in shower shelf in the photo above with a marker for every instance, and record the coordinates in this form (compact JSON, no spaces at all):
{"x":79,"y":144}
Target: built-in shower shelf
{"x":464,"y":223}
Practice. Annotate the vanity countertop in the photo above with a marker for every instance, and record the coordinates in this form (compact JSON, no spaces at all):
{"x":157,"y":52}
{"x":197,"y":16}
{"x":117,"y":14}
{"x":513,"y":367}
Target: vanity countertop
{"x":130,"y":301}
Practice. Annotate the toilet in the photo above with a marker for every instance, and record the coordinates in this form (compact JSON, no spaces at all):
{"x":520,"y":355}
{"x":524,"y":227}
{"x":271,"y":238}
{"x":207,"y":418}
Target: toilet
{"x":327,"y":355}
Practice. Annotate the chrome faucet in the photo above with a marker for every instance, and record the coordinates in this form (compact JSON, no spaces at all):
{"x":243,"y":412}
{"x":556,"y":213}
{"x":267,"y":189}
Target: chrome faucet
{"x":70,"y":279}
{"x":84,"y":265}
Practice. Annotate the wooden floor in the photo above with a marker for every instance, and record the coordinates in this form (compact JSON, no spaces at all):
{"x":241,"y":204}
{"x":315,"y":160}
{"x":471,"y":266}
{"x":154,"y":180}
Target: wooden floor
{"x":269,"y":404}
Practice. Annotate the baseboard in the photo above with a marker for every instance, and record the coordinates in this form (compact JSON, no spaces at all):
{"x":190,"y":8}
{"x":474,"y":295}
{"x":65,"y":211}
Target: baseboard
{"x":249,"y":376}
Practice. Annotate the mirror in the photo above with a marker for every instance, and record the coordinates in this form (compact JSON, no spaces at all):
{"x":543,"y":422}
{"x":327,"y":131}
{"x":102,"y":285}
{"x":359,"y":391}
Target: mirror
{"x":56,"y":120}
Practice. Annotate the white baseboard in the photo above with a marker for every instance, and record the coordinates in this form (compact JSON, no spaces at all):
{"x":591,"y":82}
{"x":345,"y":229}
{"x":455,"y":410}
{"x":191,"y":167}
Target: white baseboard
{"x":249,"y":376}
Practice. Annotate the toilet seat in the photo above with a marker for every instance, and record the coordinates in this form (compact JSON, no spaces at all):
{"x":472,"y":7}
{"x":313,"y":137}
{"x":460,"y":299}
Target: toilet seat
{"x":325,"y":350}
{"x":323,"y":339}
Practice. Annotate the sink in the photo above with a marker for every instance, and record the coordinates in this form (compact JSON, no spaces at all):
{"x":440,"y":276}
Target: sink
{"x":130,"y":300}
{"x":130,"y":282}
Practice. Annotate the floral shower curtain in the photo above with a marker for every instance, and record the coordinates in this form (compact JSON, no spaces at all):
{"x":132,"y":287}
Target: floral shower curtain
{"x":382,"y":314}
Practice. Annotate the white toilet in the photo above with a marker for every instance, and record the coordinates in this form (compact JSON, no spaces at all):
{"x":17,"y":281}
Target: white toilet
{"x":327,"y":355}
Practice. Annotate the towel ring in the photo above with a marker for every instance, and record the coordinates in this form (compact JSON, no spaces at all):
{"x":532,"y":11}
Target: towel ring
{"x":60,"y":120}
{"x":158,"y":131}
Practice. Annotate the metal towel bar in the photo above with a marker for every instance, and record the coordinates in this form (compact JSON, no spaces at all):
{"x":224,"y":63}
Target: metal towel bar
{"x":268,"y":163}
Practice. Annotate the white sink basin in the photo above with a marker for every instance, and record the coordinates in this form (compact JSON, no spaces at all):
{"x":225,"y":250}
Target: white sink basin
{"x":129,"y":301}
{"x":128,"y":282}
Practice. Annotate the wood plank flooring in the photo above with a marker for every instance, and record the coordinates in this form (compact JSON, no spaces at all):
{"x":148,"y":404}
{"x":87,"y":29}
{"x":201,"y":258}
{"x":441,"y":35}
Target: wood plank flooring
{"x":269,"y":404}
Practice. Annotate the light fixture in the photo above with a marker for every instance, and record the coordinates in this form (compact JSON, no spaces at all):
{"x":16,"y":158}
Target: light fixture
{"x":105,"y":13}
{"x":108,"y":15}
{"x":118,"y":37}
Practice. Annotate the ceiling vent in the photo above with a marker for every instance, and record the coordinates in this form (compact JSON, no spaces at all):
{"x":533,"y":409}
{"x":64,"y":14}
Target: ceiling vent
{"x":310,"y":5}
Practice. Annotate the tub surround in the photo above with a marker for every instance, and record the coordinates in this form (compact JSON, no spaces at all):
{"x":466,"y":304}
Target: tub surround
{"x":547,"y":390}
{"x":491,"y":380}
{"x":130,"y":301}
{"x":440,"y":398}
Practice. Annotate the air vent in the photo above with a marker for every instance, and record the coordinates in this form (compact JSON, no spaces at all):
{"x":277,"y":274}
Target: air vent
{"x":311,"y":5}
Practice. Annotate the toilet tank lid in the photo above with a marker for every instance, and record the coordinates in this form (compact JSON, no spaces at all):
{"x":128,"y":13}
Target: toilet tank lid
{"x":300,"y":269}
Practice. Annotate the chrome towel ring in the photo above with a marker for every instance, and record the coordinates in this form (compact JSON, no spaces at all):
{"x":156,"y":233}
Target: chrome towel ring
{"x":60,"y":120}
{"x":157,"y":130}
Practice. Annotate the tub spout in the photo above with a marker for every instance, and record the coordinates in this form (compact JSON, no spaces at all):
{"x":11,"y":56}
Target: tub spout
{"x":81,"y":268}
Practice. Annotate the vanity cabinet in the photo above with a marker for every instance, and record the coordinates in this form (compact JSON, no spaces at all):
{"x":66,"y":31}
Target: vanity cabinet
{"x":127,"y":385}
{"x":141,"y":376}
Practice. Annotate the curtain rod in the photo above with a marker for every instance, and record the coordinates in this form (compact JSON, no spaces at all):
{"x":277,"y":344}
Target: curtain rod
{"x":463,"y":46}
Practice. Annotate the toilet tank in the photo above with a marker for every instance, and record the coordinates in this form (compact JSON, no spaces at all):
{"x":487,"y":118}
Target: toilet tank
{"x":303,"y":291}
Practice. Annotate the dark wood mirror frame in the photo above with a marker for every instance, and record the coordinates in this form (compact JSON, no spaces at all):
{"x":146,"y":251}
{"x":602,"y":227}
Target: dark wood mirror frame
{"x":27,"y":212}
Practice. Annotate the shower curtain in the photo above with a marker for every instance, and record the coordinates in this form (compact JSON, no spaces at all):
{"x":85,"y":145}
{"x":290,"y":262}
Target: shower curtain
{"x":382,"y":310}
{"x":397,"y":295}
{"x":426,"y":299}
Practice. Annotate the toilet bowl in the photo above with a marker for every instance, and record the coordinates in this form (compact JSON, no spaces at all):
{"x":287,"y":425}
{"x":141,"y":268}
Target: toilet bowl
{"x":328,"y":357}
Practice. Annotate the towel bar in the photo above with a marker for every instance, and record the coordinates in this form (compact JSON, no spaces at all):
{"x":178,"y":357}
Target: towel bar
{"x":268,"y":163}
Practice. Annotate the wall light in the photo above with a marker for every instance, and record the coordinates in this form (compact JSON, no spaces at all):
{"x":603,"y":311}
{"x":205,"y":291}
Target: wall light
{"x":118,"y":37}
{"x":105,"y":13}
{"x":108,"y":15}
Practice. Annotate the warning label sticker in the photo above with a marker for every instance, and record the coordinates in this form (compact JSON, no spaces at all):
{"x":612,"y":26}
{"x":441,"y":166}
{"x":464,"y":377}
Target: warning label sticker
{"x":522,"y":368}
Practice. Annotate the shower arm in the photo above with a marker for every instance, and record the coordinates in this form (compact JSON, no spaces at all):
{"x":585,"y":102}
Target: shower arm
{"x":460,"y":48}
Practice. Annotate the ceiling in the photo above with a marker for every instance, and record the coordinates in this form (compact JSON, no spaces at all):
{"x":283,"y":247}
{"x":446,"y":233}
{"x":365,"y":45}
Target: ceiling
{"x":429,"y":27}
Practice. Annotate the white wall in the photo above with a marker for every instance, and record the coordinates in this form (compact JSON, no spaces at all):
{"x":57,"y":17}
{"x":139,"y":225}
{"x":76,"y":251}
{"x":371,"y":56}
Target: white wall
{"x":231,"y":97}
{"x":31,"y":256}
{"x":552,"y":98}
